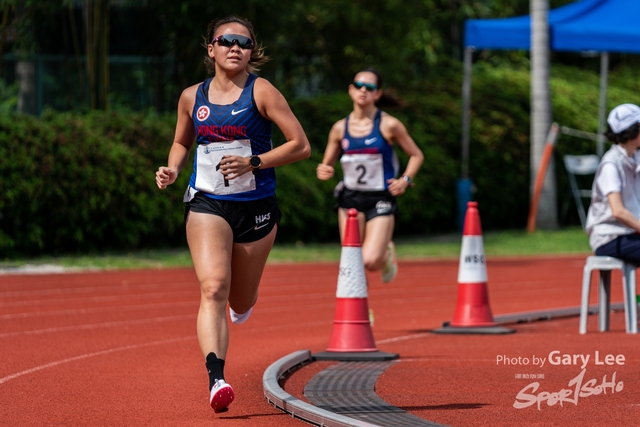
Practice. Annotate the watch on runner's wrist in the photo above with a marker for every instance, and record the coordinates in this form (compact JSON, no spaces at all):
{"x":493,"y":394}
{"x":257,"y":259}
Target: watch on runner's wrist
{"x":255,"y":162}
{"x":408,"y":179}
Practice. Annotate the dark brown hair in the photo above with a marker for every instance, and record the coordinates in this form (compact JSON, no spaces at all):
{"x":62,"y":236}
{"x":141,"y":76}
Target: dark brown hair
{"x":388,"y":98}
{"x":257,"y":53}
{"x":624,"y":136}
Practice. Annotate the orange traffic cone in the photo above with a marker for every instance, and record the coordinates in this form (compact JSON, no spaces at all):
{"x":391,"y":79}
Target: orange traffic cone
{"x":473,"y":313}
{"x":352,"y":337}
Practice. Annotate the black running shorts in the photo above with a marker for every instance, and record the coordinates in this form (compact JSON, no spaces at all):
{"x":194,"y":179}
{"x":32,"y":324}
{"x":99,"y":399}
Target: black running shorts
{"x":371,"y":203}
{"x":250,"y":220}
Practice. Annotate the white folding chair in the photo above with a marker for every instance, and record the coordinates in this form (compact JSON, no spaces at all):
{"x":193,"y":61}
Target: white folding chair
{"x":605,"y":264}
{"x":580,"y":165}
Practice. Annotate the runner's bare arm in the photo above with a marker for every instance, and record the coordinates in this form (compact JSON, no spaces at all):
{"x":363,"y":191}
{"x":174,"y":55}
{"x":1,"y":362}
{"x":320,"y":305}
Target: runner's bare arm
{"x":394,"y":130}
{"x":272,"y":105}
{"x":325,"y":169}
{"x":182,"y":142}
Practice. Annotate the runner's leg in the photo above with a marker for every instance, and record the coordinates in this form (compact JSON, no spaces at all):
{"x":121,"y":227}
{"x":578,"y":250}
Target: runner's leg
{"x":378,"y":234}
{"x":247,"y":264}
{"x":210,"y":241}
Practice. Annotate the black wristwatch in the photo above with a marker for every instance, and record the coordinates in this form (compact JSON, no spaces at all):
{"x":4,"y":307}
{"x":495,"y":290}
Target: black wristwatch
{"x":408,"y":179}
{"x":255,"y":162}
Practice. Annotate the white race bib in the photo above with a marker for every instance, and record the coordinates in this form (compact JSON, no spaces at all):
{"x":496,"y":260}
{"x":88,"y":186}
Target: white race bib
{"x":363,"y":171}
{"x":210,"y":179}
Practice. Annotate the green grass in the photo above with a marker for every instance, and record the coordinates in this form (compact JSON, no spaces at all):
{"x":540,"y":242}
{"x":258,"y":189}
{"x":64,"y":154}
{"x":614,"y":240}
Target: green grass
{"x":503,"y":243}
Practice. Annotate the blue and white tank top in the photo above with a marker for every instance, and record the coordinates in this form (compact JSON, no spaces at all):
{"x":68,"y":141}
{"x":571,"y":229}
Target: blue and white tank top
{"x":234,"y":129}
{"x":369,"y":161}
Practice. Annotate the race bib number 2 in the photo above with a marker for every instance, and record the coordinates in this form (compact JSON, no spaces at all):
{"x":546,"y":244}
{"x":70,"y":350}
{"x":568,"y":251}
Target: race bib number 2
{"x":210,"y":179}
{"x":363,"y":172}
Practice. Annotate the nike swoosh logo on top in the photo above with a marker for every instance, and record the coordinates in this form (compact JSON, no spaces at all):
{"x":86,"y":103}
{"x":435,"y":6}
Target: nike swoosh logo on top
{"x":234,"y":112}
{"x":258,"y":227}
{"x":370,"y":141}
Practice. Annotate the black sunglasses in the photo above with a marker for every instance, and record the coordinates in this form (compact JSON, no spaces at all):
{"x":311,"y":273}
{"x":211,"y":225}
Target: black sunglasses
{"x":369,"y":86}
{"x":228,"y":40}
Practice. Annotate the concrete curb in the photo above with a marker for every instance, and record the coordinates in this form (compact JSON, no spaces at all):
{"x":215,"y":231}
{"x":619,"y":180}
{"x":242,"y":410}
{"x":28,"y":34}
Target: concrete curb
{"x":282,"y":400}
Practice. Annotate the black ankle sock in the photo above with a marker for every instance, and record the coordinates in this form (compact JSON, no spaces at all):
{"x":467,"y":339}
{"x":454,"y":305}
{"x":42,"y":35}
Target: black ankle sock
{"x":215,"y":367}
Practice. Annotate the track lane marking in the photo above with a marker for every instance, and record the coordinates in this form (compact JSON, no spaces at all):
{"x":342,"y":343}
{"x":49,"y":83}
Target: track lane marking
{"x":98,"y":325}
{"x":89,"y":355}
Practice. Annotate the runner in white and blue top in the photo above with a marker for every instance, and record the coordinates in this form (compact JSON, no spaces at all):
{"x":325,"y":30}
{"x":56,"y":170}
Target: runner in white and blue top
{"x":368,"y":162}
{"x":232,"y":213}
{"x":233,"y":129}
{"x":364,"y":142}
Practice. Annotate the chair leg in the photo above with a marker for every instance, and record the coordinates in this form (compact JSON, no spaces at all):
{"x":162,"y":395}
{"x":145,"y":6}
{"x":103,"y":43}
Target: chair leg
{"x":584,"y":307}
{"x":604,"y":299}
{"x":630,"y":304}
{"x":633,"y":303}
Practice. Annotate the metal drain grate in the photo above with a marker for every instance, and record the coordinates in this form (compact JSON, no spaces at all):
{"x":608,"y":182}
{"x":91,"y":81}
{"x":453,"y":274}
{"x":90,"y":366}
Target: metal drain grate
{"x":348,"y":388}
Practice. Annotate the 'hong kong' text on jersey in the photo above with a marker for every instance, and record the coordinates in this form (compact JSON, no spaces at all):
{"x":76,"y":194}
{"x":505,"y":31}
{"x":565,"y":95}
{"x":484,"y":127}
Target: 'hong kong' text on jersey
{"x":225,"y":130}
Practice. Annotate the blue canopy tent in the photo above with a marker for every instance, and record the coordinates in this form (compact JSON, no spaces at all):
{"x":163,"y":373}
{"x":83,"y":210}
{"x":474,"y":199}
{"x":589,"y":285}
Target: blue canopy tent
{"x":586,"y":25}
{"x":515,"y":33}
{"x":610,"y":26}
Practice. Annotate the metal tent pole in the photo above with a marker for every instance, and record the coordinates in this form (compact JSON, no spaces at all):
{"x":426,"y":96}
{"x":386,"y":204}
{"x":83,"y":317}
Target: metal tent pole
{"x":604,"y":77}
{"x":466,"y":110}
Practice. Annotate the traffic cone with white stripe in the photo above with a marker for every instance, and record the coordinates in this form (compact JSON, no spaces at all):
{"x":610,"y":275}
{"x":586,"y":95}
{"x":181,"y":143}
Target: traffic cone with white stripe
{"x":352,"y":337}
{"x":473,"y":312}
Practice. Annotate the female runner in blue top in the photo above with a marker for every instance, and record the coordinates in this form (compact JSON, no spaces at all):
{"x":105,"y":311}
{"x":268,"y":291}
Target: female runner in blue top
{"x":232,"y":213}
{"x":364,"y":143}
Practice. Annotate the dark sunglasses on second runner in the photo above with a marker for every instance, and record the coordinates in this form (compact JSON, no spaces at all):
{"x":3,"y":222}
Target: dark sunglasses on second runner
{"x":369,"y":86}
{"x":228,"y":40}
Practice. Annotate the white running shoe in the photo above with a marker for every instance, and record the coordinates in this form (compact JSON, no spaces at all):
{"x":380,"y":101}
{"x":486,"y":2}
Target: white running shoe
{"x":239,"y":318}
{"x":390,"y":268}
{"x":221,"y":396}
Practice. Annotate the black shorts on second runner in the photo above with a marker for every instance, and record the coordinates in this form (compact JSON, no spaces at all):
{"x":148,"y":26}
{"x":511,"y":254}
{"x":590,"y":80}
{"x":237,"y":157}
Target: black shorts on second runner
{"x":371,"y":203}
{"x":250,"y":220}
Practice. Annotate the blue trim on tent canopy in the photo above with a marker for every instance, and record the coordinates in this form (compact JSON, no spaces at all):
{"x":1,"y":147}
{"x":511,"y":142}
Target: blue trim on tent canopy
{"x":515,"y":33}
{"x":612,"y":26}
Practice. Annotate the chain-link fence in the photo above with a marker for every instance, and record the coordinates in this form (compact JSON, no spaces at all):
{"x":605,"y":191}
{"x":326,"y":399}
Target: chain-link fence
{"x":60,"y":82}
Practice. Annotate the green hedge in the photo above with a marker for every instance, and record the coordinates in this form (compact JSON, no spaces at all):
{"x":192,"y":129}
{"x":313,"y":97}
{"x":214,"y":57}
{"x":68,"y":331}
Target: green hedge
{"x":74,"y":183}
{"x":84,"y":183}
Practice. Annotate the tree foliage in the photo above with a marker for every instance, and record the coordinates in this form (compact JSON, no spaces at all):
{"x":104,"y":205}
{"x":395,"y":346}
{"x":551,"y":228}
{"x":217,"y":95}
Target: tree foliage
{"x":316,"y":46}
{"x":83,"y":180}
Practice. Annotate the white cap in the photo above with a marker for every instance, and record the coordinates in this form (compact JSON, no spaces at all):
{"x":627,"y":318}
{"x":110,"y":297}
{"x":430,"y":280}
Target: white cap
{"x":623,"y":117}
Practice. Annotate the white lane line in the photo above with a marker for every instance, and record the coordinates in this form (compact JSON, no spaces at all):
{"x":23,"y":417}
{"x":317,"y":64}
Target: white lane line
{"x":98,"y":325}
{"x":403,"y":338}
{"x":106,"y":298}
{"x":119,"y":308}
{"x":194,"y":302}
{"x":88,"y":355}
{"x":115,"y":287}
{"x":281,"y":327}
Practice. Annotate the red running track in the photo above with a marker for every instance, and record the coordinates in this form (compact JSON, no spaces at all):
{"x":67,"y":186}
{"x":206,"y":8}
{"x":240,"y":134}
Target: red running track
{"x":119,"y":348}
